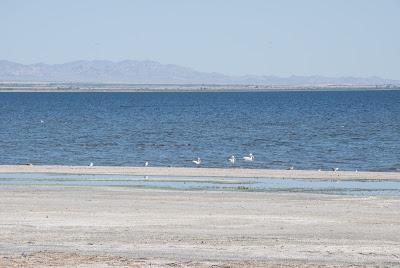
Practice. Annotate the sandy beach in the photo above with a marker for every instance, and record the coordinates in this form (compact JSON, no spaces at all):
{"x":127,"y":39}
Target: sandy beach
{"x":205,"y":172}
{"x":42,"y":226}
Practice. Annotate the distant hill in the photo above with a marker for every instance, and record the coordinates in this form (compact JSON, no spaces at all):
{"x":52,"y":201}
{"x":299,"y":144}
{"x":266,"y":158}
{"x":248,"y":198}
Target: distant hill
{"x":151,"y":72}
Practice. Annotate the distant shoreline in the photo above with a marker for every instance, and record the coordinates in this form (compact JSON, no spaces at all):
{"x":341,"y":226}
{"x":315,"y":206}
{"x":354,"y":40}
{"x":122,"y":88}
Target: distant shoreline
{"x":17,"y":86}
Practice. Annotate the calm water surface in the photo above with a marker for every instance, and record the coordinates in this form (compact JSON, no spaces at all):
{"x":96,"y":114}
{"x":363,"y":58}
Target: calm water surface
{"x":336,"y":187}
{"x":308,"y":130}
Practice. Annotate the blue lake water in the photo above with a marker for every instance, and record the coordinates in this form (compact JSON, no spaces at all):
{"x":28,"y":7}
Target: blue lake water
{"x":308,"y":130}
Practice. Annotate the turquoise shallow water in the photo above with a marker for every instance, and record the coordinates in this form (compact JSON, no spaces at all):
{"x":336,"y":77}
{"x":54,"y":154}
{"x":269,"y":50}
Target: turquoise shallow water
{"x":308,"y":130}
{"x":338,"y":187}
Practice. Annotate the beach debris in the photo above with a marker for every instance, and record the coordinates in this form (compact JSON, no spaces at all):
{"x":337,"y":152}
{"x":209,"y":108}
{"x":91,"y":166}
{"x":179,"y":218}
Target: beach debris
{"x":249,"y":157}
{"x":232,"y":159}
{"x":197,"y":161}
{"x":243,"y":188}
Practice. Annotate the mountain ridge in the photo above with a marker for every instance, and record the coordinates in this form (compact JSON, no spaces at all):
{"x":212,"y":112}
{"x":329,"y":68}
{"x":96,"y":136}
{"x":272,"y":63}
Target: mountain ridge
{"x":153,"y":72}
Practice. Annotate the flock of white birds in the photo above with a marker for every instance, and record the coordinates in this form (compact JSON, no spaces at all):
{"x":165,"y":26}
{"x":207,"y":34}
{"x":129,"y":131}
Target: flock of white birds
{"x":197,"y":162}
{"x":231,"y":159}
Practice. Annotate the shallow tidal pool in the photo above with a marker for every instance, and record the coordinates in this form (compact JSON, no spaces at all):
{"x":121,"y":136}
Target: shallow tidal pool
{"x":339,"y":187}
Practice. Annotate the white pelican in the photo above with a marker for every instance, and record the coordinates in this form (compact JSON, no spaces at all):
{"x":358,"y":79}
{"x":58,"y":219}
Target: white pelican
{"x":146,"y":164}
{"x":91,"y":164}
{"x":232,"y":159}
{"x":198,"y":161}
{"x":250,"y":157}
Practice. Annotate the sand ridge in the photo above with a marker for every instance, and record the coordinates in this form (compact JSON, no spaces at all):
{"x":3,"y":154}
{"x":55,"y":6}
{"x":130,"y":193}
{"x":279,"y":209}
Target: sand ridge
{"x":209,"y":172}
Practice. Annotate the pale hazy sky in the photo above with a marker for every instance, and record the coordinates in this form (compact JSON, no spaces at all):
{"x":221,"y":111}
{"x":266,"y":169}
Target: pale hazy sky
{"x":331,"y":37}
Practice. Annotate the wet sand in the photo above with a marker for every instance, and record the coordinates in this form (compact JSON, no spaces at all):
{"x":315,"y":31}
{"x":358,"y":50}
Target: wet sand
{"x":43,"y":226}
{"x":206,"y":172}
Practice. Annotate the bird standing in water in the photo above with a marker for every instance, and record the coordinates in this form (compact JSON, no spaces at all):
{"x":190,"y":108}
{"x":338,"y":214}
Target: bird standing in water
{"x":197,"y":161}
{"x":250,"y":157}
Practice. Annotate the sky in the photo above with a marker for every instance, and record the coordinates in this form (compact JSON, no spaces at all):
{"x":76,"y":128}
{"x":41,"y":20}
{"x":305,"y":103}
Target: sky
{"x":261,"y":37}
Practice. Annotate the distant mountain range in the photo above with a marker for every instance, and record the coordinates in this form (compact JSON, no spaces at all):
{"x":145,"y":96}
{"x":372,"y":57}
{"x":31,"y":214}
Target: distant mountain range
{"x":151,"y":72}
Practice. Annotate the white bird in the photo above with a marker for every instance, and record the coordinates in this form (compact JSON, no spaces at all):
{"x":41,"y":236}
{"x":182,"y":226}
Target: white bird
{"x":91,"y":164}
{"x":232,"y":159}
{"x":198,"y":161}
{"x":290,"y":168}
{"x":146,"y":164}
{"x":41,"y":121}
{"x":335,"y":169}
{"x":250,"y":157}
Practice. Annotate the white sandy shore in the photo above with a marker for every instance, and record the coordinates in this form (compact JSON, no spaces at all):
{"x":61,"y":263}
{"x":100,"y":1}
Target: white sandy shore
{"x":43,"y":226}
{"x":207,"y":172}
